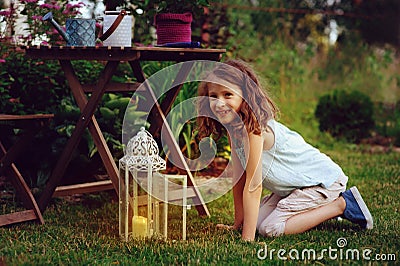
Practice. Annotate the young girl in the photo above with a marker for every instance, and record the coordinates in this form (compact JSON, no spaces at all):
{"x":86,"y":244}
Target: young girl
{"x":307,"y":187}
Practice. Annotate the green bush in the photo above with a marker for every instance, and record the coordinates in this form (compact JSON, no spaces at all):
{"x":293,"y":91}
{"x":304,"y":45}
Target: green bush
{"x":345,"y":115}
{"x":387,"y":121}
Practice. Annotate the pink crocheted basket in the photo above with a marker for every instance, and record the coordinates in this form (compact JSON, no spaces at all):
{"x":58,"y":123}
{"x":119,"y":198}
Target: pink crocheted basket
{"x":173,"y":28}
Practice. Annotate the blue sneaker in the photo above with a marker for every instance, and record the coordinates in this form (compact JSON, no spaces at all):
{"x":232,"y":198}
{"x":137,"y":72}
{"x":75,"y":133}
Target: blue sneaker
{"x":356,"y":210}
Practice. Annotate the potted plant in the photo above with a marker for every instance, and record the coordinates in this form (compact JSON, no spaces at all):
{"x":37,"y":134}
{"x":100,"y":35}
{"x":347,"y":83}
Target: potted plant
{"x":173,"y":18}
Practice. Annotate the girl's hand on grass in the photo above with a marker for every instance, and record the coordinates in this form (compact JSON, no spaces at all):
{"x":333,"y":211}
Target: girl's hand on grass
{"x":227,"y":227}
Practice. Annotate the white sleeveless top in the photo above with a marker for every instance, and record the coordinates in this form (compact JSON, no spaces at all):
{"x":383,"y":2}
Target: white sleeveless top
{"x":292,"y":163}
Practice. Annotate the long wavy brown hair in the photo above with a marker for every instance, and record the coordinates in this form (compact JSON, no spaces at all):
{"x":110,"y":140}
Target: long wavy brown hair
{"x":257,"y":107}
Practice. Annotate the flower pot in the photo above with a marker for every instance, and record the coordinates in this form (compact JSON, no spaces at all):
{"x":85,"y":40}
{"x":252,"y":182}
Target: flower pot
{"x":172,"y":28}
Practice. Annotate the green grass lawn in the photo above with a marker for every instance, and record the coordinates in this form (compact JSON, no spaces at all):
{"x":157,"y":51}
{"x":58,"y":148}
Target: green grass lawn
{"x":86,"y":232}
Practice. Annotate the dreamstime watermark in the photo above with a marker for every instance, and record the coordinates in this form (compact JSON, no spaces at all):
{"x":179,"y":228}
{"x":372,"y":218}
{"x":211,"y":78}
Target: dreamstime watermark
{"x":340,"y":252}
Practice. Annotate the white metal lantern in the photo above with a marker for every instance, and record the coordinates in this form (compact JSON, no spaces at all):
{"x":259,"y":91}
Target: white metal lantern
{"x":139,"y":169}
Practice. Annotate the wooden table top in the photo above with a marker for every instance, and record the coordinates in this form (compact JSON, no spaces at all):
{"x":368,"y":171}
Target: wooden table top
{"x":102,"y":53}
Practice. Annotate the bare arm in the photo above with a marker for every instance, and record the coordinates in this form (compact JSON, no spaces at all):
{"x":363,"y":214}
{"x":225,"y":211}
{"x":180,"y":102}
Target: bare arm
{"x":239,"y":178}
{"x":247,"y":201}
{"x":251,"y":198}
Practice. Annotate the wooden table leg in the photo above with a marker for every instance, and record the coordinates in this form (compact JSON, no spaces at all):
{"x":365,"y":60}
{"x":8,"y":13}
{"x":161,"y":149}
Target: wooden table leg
{"x":94,"y":129}
{"x":33,"y":212}
{"x":170,"y":140}
{"x":82,"y":124}
{"x":22,"y":189}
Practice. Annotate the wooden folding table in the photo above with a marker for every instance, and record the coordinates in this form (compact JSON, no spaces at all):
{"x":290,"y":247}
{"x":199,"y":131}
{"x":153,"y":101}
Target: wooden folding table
{"x":112,"y":56}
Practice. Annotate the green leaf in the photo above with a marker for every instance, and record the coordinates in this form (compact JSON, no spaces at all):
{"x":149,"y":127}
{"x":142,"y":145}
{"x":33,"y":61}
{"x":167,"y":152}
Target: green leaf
{"x":107,"y":113}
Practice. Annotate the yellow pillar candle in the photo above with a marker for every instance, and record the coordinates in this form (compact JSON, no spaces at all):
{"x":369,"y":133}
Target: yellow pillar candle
{"x":139,"y":226}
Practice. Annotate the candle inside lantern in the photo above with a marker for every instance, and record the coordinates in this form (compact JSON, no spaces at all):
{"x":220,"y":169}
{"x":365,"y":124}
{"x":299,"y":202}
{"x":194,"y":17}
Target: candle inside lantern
{"x":139,"y":226}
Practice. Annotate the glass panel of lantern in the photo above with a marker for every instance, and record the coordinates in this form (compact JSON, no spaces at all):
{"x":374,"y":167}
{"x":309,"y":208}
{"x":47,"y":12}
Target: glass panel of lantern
{"x":143,"y":190}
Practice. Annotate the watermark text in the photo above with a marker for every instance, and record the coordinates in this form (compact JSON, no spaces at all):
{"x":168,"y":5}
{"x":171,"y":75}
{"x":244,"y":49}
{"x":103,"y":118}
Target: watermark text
{"x":331,"y":253}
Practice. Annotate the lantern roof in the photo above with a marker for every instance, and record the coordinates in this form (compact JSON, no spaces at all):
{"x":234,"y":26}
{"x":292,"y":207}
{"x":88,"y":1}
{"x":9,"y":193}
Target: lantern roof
{"x":141,"y":153}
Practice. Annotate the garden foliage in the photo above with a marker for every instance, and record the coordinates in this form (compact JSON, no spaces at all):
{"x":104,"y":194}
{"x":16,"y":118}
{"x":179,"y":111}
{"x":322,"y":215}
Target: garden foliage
{"x":347,"y":115}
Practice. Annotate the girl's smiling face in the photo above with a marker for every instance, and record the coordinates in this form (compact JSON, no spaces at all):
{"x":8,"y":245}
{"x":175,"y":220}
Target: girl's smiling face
{"x":225,"y":101}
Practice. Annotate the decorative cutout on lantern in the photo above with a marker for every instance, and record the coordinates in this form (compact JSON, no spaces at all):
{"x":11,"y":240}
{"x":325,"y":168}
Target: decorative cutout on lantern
{"x":142,"y":153}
